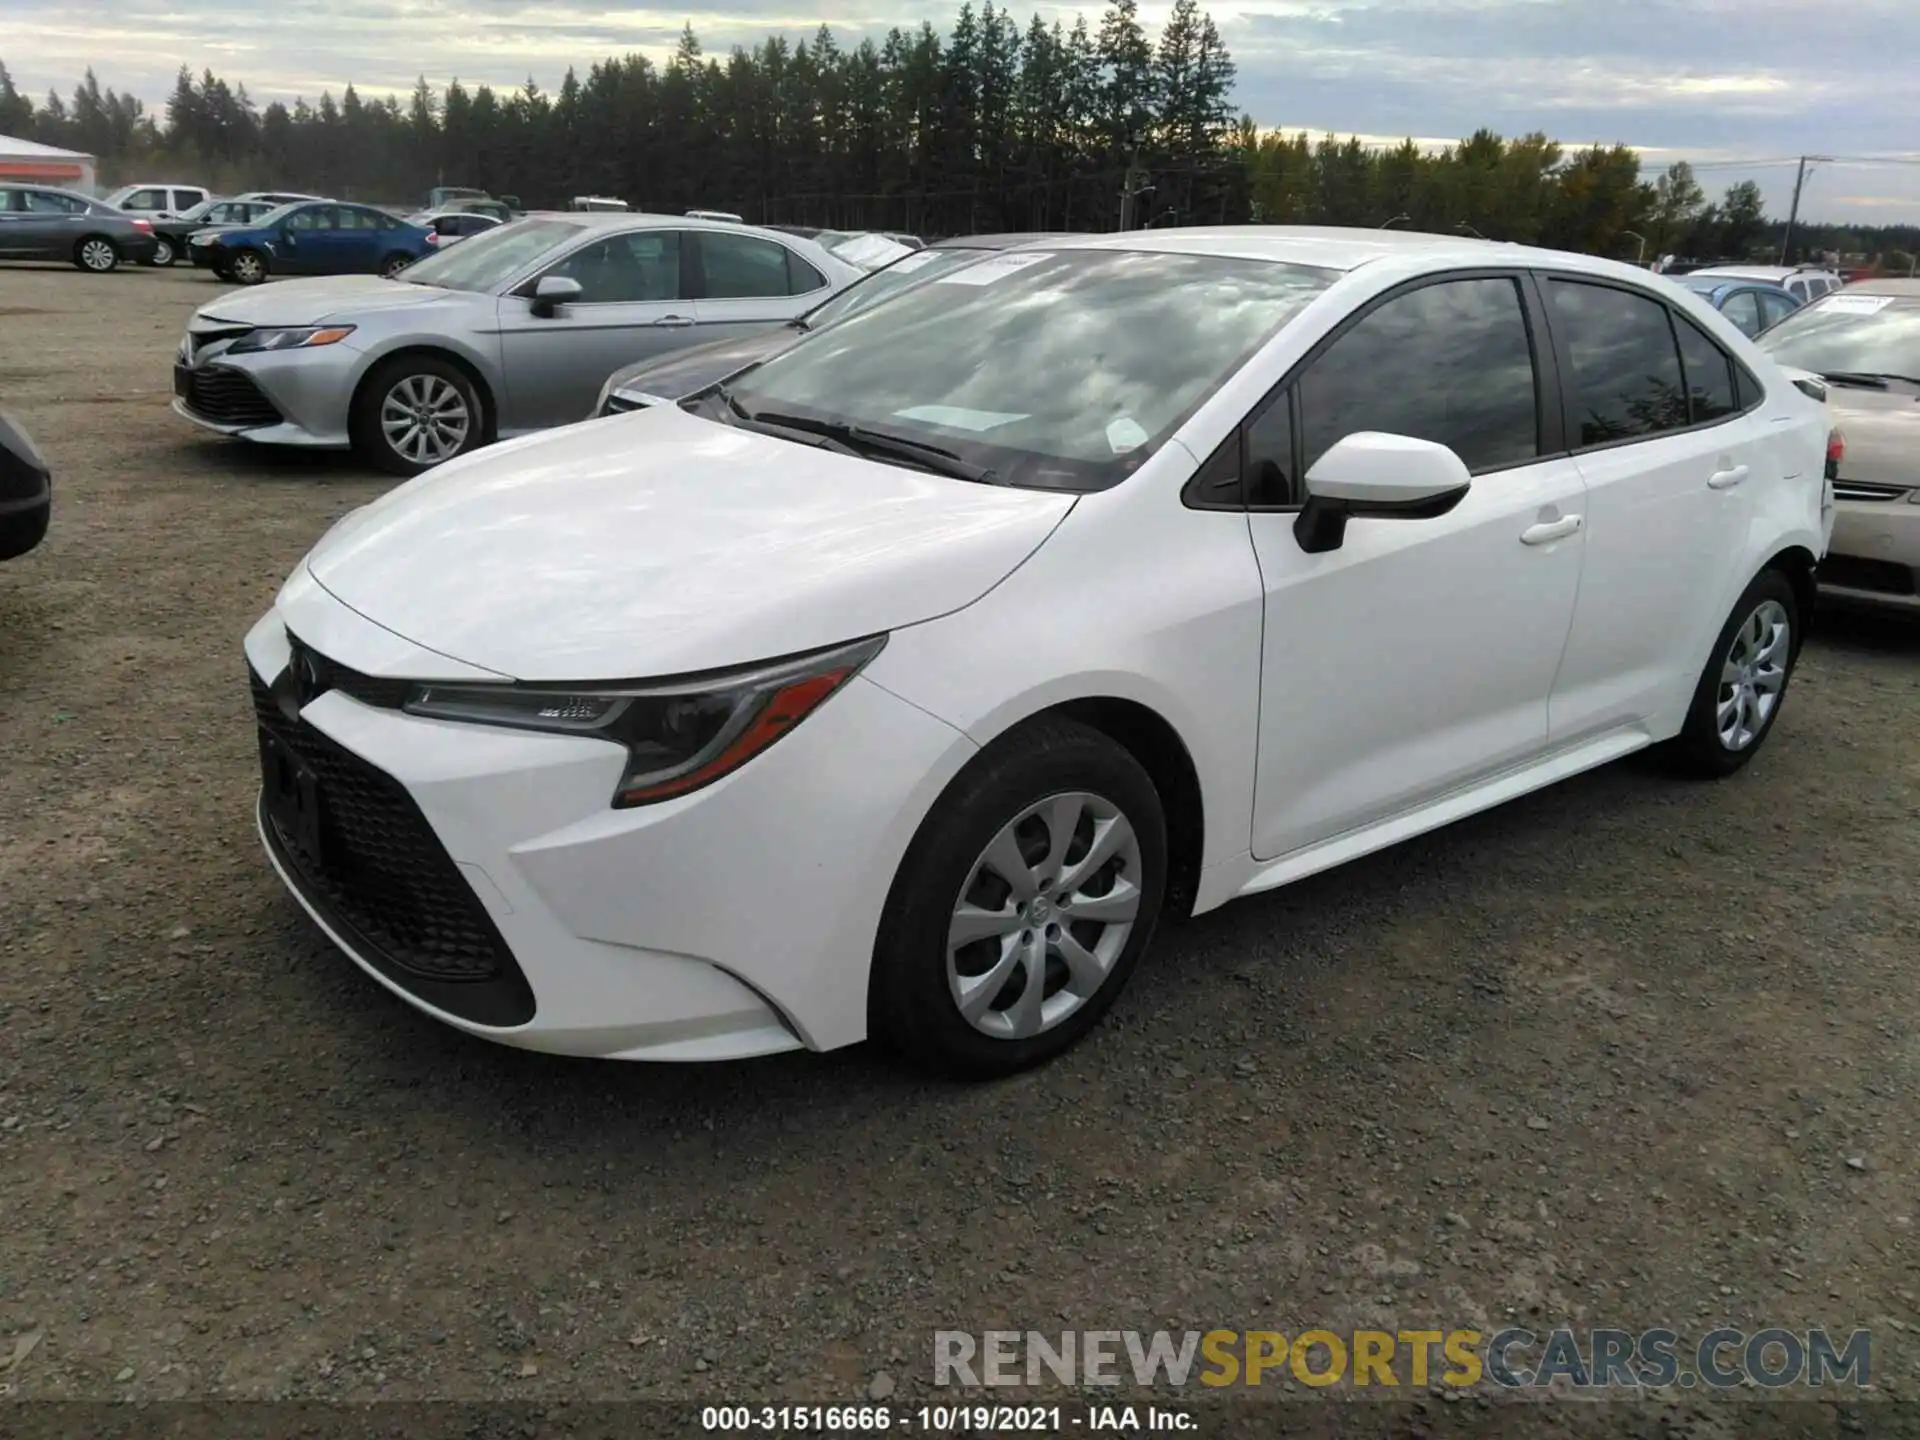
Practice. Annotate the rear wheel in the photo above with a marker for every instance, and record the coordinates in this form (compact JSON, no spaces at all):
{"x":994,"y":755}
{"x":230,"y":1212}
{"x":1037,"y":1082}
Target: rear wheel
{"x":415,"y":412}
{"x":394,"y":264}
{"x":1022,"y":905}
{"x":249,"y":267}
{"x":97,"y":254}
{"x":163,"y":252}
{"x":1745,"y":680}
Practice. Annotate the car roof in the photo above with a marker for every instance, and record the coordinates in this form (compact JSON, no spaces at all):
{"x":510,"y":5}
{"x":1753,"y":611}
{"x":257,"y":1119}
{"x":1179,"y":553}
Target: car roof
{"x":1896,"y":285}
{"x":1004,"y":241}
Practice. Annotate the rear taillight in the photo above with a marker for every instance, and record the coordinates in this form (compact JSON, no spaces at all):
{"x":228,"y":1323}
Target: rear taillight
{"x":143,"y":227}
{"x":433,"y":237}
{"x":1836,"y":452}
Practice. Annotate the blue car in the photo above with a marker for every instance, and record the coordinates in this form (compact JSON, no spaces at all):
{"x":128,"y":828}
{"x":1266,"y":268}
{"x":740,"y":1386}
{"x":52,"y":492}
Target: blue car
{"x":313,"y":237}
{"x":1751,"y":305}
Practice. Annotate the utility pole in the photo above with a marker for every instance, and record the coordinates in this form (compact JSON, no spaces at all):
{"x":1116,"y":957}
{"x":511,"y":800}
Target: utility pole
{"x":1793,"y":215}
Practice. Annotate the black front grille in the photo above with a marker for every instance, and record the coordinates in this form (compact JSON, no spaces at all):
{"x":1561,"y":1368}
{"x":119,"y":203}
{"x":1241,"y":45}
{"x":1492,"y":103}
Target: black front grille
{"x":1850,"y":572}
{"x":383,"y":879}
{"x":323,"y":674}
{"x":226,"y":397}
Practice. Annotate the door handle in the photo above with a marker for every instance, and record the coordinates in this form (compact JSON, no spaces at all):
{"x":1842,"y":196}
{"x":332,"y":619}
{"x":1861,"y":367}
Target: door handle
{"x":1549,"y":530}
{"x":1726,"y":479}
{"x":673,"y":322}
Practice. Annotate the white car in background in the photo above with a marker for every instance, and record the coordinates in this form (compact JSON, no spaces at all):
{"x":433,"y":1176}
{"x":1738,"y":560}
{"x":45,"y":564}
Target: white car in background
{"x":901,"y":684}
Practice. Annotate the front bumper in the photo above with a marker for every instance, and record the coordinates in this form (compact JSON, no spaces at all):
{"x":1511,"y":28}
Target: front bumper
{"x":295,"y":398}
{"x":1874,"y":558}
{"x":736,"y":921}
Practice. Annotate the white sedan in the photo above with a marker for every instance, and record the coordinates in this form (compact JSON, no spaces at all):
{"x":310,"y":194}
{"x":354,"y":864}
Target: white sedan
{"x":902,"y":688}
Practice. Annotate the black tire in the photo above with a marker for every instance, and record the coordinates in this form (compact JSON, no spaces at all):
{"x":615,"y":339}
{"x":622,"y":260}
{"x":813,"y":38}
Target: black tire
{"x":1701,"y":749}
{"x":248,"y":267}
{"x":220,"y":272}
{"x":911,"y":1006}
{"x":164,"y":253}
{"x":370,"y":440}
{"x":395,"y":263}
{"x":96,"y":254}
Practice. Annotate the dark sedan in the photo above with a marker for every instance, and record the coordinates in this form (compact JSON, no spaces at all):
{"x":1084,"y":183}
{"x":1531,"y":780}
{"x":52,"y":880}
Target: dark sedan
{"x":38,"y":222}
{"x":315,"y":238}
{"x":1751,"y":305}
{"x":26,"y":491}
{"x":171,"y":236}
{"x":668,"y":378}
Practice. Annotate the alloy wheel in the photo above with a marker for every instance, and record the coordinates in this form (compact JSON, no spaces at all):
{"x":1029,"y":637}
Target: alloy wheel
{"x":98,"y":256}
{"x":1753,"y":675}
{"x":395,"y":266}
{"x":1045,"y":912}
{"x":247,"y":269}
{"x":425,"y":419}
{"x":163,"y":252}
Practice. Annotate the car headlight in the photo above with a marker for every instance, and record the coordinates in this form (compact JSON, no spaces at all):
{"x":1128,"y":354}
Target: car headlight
{"x":306,"y":338}
{"x":679,"y":736}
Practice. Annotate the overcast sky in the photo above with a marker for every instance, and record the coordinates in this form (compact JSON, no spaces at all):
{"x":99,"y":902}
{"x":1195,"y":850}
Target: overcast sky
{"x":1712,"y":81}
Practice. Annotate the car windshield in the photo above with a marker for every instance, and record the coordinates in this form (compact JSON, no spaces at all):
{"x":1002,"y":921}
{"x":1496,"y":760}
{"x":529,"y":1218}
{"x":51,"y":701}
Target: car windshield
{"x":1850,"y":335}
{"x":485,"y":261}
{"x":1051,"y":369}
{"x":883,"y":284}
{"x":276,"y":215}
{"x":194,"y":212}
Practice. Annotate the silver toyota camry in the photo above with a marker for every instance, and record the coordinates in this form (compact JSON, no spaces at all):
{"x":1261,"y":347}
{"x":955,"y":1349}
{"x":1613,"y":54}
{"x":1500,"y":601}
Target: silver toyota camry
{"x":509,"y":332}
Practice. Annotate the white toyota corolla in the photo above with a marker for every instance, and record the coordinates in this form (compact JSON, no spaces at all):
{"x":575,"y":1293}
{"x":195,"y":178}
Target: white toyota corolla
{"x":901,"y":687}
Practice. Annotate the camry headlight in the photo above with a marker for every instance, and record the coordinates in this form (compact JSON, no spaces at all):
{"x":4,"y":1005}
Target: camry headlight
{"x":679,"y":736}
{"x":307,"y":338}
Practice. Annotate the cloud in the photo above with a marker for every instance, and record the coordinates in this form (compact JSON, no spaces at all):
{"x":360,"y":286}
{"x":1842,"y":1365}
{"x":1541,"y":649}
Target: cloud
{"x":1707,"y":80}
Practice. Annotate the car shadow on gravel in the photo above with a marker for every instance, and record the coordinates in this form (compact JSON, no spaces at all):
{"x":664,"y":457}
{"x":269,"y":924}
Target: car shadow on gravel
{"x":1865,"y":632}
{"x":241,"y":460}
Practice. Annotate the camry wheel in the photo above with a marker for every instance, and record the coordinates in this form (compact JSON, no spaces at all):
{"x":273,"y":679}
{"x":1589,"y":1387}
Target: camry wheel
{"x":414,"y":413}
{"x":249,"y":267}
{"x":163,"y":252}
{"x":1023,"y":904}
{"x":1740,"y":691}
{"x":96,"y":253}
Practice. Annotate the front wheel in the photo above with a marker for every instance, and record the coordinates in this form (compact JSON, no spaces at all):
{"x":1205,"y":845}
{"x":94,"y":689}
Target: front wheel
{"x":249,"y":267}
{"x":1022,"y":905}
{"x":415,"y":412}
{"x":1739,"y":694}
{"x":163,"y":253}
{"x":96,"y":254}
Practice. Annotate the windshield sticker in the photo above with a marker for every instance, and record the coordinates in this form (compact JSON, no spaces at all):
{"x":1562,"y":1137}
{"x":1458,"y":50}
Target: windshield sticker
{"x":985,"y":272}
{"x":907,"y":264}
{"x":1125,"y":434}
{"x":955,"y":417}
{"x":1855,"y":304}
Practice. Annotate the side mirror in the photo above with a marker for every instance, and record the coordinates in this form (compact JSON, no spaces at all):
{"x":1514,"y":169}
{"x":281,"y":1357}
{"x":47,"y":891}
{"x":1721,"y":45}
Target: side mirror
{"x":1376,"y":476}
{"x":552,"y":292}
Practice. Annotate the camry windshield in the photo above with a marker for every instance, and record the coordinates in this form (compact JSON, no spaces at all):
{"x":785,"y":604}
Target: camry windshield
{"x":483,"y":262}
{"x":905,"y":273}
{"x":1870,"y":335}
{"x":1049,"y":369}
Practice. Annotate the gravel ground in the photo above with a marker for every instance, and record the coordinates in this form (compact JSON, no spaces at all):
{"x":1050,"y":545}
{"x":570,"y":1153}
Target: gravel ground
{"x":1629,"y":1052}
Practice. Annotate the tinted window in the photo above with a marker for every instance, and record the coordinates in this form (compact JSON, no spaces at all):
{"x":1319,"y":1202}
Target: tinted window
{"x":146,"y":200}
{"x":313,"y":217}
{"x":1626,"y":372}
{"x":1269,"y":464}
{"x":1056,"y":369}
{"x":187,"y":199}
{"x":638,"y":266}
{"x":802,"y":277}
{"x":1774,"y":309}
{"x":1449,"y":362}
{"x":1742,"y":307}
{"x":1709,"y":374}
{"x":735,"y":267}
{"x":1798,"y":289}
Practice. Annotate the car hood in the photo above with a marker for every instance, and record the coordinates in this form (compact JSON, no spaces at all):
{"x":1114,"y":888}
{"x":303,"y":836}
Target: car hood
{"x":679,"y":373}
{"x":1882,"y":428}
{"x":656,"y":543}
{"x":333,"y":297}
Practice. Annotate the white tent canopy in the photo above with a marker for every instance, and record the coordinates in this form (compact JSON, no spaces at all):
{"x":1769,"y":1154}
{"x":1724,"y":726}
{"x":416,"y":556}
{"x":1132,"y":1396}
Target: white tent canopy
{"x":30,"y":161}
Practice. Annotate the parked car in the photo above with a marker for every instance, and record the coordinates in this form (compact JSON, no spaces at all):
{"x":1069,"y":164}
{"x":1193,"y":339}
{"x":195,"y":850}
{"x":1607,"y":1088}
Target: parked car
{"x":444,"y":227}
{"x":727,"y":215}
{"x":498,"y":210}
{"x":442,"y":196}
{"x":158,"y":201}
{"x":1802,"y":282}
{"x":38,"y":222}
{"x":666,"y":379}
{"x":591,"y":203}
{"x":1864,"y":344}
{"x":26,"y":491}
{"x":903,"y":687}
{"x":315,"y":237}
{"x":1751,"y":305}
{"x":172,"y":238}
{"x":506,"y":333}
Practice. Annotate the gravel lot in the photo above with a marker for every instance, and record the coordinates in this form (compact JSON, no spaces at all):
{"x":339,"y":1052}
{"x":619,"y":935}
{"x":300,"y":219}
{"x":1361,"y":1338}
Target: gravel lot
{"x":1630,"y":1052}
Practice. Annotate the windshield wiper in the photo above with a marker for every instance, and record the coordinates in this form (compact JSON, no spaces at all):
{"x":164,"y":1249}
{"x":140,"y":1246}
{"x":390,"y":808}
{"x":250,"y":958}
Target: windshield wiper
{"x":1871,"y":379}
{"x":875,"y":442}
{"x":803,"y":433}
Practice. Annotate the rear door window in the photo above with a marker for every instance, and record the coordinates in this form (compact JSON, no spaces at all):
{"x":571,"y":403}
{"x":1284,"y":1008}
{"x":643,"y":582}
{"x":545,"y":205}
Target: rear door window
{"x":742,"y":267}
{"x":1743,"y":309}
{"x":1626,"y":382}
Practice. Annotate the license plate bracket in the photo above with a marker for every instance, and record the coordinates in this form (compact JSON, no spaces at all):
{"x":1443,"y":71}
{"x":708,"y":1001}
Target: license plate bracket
{"x":294,"y":804}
